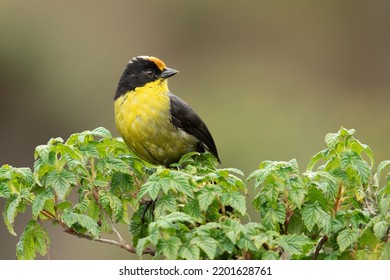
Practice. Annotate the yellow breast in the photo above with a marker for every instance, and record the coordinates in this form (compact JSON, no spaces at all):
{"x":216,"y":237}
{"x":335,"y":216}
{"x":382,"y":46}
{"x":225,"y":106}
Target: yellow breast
{"x":142,"y":118}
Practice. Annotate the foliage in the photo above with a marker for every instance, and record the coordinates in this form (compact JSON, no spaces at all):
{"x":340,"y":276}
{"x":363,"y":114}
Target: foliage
{"x":337,"y":209}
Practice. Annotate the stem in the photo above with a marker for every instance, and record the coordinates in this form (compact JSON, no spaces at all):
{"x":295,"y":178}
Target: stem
{"x":319,"y":246}
{"x":339,"y":199}
{"x":120,"y":244}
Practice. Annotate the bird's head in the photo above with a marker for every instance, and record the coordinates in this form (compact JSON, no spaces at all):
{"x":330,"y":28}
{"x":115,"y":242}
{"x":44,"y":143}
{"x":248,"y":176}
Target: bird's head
{"x":140,"y":71}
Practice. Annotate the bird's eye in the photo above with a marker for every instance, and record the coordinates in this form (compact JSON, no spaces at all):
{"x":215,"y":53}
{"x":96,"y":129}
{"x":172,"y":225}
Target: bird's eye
{"x":149,"y":73}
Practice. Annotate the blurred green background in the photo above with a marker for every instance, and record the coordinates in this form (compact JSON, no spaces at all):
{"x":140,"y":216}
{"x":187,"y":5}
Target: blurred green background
{"x":270,"y":78}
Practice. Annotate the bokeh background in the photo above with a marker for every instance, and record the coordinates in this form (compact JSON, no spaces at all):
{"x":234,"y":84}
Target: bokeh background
{"x":270,"y":78}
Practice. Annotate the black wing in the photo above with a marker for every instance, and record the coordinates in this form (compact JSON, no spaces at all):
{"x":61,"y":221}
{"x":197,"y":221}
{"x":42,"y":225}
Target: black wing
{"x":185,"y":118}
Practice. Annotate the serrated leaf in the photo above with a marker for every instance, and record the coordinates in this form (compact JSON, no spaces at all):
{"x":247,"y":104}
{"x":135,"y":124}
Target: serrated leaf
{"x":60,"y":182}
{"x":233,"y":170}
{"x":101,"y":132}
{"x":169,"y":247}
{"x":189,"y":252}
{"x":4,"y":190}
{"x":380,"y":229}
{"x":64,"y":205}
{"x":259,"y":176}
{"x":295,"y":244}
{"x":297,"y":194}
{"x":140,"y":221}
{"x":176,"y":217}
{"x":235,"y":200}
{"x":382,"y":166}
{"x":273,"y":216}
{"x":385,"y":255}
{"x":331,"y":139}
{"x":122,"y":182}
{"x":177,"y":181}
{"x":260,"y":239}
{"x":192,"y":208}
{"x":89,"y":150}
{"x":152,"y":187}
{"x":110,"y":163}
{"x":141,"y":245}
{"x":33,"y":239}
{"x":351,"y":159}
{"x":384,"y":205}
{"x":72,"y":219}
{"x":206,"y":244}
{"x":270,"y":255}
{"x":207,"y":195}
{"x":165,"y":205}
{"x":11,"y":209}
{"x":346,"y":238}
{"x":39,"y":202}
{"x":369,"y":153}
{"x":110,"y":201}
{"x":313,"y":214}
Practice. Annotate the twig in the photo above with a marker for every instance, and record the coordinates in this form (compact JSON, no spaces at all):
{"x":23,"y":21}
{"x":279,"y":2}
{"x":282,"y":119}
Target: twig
{"x":116,"y":232}
{"x":120,"y":244}
{"x":319,"y":246}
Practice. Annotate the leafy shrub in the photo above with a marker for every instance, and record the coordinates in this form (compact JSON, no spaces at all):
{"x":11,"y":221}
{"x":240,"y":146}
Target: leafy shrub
{"x":337,"y":209}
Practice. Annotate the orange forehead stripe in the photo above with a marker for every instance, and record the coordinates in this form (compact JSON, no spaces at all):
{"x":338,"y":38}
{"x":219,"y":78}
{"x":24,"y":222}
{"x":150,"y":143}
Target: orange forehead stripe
{"x":161,"y":65}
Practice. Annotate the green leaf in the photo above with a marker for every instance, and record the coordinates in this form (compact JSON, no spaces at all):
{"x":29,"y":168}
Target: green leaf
{"x":207,"y":195}
{"x":273,"y":216}
{"x":192,"y":208}
{"x":206,"y":244}
{"x":325,"y":181}
{"x":89,"y":150}
{"x":270,"y":255}
{"x":346,"y":238}
{"x":101,"y":132}
{"x":260,"y":239}
{"x":233,"y":170}
{"x":110,"y":201}
{"x":259,"y":176}
{"x":235,"y":200}
{"x":297,"y":194}
{"x":331,"y":139}
{"x":295,"y":244}
{"x":165,"y":205}
{"x":359,"y":165}
{"x":4,"y":190}
{"x":33,"y":239}
{"x":382,"y":166}
{"x":111,"y":163}
{"x":177,"y":181}
{"x":40,"y":201}
{"x":122,"y":182}
{"x":380,"y":229}
{"x":140,"y":222}
{"x":176,"y":217}
{"x":74,"y":221}
{"x":141,"y":245}
{"x":313,"y":161}
{"x":152,"y":187}
{"x":384,"y":205}
{"x":169,"y":247}
{"x":189,"y":252}
{"x":60,"y":182}
{"x":385,"y":255}
{"x":11,"y":208}
{"x":313,"y":214}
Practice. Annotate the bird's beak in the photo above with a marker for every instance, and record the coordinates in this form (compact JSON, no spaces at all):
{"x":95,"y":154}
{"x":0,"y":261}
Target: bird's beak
{"x":168,"y":72}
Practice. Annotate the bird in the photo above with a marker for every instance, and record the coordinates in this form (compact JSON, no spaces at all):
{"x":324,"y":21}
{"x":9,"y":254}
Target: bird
{"x":158,"y":126}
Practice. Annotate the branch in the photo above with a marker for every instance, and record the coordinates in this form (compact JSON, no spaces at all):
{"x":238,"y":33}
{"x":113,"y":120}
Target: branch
{"x":121,"y":244}
{"x":319,"y":246}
